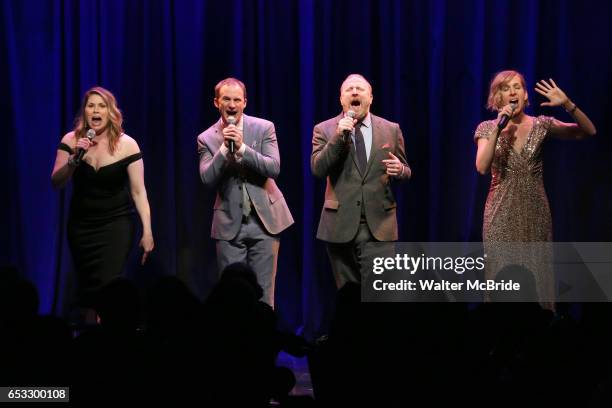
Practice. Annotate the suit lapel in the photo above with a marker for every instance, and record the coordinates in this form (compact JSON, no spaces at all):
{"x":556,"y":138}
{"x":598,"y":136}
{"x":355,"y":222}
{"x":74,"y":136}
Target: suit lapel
{"x":377,"y":138}
{"x":246,"y":130}
{"x":219,"y":132}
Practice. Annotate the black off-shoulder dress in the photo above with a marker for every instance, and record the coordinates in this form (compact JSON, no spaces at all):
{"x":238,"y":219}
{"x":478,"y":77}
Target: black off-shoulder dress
{"x":101,"y":224}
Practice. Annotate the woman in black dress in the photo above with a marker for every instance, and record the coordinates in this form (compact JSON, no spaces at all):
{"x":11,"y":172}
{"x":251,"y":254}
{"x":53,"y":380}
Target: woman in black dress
{"x":101,"y":221}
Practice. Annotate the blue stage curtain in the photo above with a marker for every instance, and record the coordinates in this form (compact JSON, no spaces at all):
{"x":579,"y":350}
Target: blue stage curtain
{"x":429,"y":63}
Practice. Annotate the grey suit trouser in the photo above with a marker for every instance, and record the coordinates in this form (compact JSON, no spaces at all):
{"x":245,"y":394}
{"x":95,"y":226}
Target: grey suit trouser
{"x":255,"y":247}
{"x":347,"y":260}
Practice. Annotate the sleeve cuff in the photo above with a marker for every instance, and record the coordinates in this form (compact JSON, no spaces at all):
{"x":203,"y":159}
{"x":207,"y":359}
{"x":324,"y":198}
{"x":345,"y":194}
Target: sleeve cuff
{"x":224,"y":150}
{"x":240,"y":152}
{"x":405,"y":174}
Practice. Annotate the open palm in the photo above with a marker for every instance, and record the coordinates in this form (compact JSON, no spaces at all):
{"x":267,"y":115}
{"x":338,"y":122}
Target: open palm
{"x":555,"y":95}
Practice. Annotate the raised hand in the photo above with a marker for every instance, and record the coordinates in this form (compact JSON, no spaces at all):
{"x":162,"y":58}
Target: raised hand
{"x":84,"y":143}
{"x":393,"y":165}
{"x":556,"y":97}
{"x":232,"y":132}
{"x":345,"y":124}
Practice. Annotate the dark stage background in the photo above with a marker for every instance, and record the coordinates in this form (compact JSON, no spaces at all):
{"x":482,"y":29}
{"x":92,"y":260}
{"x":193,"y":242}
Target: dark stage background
{"x":429,"y":63}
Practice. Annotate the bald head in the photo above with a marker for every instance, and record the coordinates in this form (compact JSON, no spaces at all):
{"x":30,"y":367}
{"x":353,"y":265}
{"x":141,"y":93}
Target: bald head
{"x":357,"y":77}
{"x":356,"y":95}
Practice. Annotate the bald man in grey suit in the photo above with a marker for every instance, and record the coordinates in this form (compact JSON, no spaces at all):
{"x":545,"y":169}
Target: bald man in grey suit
{"x":359,"y":156}
{"x":239,"y":157}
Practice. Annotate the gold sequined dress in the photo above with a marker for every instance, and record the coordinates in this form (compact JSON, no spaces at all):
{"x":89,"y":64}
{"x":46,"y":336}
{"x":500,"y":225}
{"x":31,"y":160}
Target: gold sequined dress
{"x":517,"y":209}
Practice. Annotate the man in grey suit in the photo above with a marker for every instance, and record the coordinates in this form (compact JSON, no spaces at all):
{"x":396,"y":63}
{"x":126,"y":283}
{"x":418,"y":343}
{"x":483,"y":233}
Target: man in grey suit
{"x":359,"y":154}
{"x":239,"y":157}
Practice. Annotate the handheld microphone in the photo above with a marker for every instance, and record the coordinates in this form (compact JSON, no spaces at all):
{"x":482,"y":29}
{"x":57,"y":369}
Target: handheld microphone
{"x":503,"y":121}
{"x":347,"y":133}
{"x":81,"y":152}
{"x":231,"y":120}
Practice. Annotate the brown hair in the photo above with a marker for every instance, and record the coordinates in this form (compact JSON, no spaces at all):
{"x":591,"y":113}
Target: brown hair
{"x":230,"y":81}
{"x":114,"y":115}
{"x":499,"y":80}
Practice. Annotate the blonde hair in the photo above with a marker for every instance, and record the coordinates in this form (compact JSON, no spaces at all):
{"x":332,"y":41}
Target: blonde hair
{"x":114,"y":114}
{"x":499,"y":80}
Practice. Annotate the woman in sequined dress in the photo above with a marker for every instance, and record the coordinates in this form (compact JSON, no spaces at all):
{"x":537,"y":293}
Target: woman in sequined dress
{"x":516,"y":210}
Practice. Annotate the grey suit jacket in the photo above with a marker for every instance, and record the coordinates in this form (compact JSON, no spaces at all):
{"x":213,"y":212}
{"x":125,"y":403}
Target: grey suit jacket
{"x":347,"y":189}
{"x":258,"y":168}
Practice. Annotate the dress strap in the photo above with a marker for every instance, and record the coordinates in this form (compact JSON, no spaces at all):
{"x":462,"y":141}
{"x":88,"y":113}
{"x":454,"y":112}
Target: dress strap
{"x":65,"y":147}
{"x":133,"y":157}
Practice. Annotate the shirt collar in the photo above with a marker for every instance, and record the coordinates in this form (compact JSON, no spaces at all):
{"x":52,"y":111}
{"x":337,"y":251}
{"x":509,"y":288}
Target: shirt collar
{"x":367,"y":121}
{"x":240,"y":124}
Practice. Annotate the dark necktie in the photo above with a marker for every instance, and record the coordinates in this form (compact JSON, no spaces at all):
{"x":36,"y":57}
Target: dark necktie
{"x":360,"y":150}
{"x":246,"y":201}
